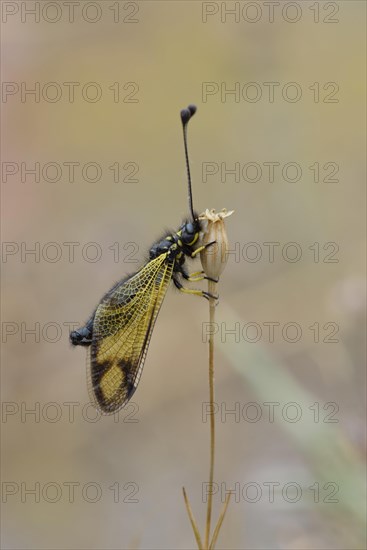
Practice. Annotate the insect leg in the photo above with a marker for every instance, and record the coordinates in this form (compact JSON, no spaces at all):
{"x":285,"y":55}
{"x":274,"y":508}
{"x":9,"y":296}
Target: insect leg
{"x":197,"y":276}
{"x":201,"y":248}
{"x":180,"y":287}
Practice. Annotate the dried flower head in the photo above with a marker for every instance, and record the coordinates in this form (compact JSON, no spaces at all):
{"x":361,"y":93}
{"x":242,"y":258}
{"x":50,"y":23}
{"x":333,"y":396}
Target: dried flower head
{"x":214,"y":257}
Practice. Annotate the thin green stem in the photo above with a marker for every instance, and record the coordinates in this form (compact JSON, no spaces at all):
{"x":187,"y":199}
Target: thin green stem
{"x":192,"y":520}
{"x":220,"y":521}
{"x":211,"y":290}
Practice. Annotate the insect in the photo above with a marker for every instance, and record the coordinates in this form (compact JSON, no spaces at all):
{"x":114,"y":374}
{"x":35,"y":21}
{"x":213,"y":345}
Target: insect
{"x":118,"y":333}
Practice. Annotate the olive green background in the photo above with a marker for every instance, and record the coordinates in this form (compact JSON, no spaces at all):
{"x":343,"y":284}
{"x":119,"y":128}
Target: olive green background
{"x":170,"y":53}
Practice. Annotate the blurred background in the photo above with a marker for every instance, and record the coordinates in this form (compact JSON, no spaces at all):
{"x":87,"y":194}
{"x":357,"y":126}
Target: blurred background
{"x":279,"y":137}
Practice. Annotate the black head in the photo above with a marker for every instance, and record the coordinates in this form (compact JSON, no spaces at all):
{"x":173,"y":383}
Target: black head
{"x":190,"y":231}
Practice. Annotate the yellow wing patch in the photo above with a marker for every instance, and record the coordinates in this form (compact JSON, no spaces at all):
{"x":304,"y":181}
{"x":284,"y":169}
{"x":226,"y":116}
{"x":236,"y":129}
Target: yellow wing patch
{"x":111,"y":381}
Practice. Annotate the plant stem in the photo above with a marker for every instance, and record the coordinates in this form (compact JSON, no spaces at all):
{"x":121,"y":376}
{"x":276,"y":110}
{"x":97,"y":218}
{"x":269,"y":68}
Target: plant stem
{"x":212,"y":302}
{"x":192,"y":520}
{"x":220,"y":521}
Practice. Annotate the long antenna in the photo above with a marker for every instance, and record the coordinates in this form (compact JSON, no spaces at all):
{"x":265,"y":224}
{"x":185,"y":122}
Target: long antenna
{"x":186,"y":114}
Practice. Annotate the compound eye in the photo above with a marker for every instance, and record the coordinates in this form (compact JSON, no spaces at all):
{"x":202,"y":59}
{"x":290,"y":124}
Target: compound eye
{"x":190,"y":228}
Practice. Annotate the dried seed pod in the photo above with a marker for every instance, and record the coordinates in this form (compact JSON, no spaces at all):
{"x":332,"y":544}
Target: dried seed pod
{"x":214,"y":257}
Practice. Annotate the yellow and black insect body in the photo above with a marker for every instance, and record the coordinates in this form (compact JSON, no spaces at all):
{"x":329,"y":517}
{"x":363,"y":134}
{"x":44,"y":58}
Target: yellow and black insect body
{"x":118,"y":333}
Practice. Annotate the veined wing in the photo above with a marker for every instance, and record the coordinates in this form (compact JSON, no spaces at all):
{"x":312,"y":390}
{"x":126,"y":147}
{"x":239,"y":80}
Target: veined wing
{"x":122,"y":328}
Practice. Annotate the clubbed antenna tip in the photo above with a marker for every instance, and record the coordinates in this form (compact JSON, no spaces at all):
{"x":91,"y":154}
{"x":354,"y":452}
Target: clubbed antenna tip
{"x":186,"y":114}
